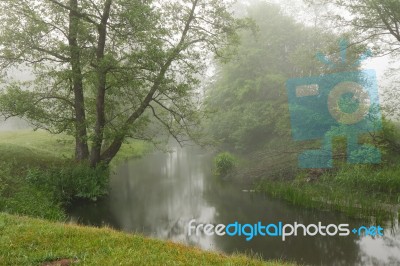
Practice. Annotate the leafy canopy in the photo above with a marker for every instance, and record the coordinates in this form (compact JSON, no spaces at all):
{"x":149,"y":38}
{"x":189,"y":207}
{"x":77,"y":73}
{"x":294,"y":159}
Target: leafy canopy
{"x":107,"y":70}
{"x":248,"y":103}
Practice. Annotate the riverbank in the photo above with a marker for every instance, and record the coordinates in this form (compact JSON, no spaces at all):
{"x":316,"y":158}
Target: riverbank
{"x":357,"y":190}
{"x":38,"y":177}
{"x":29,"y":158}
{"x":28,"y":241}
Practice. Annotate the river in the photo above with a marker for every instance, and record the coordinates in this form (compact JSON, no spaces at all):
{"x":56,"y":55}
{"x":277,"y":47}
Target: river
{"x":159,"y":194}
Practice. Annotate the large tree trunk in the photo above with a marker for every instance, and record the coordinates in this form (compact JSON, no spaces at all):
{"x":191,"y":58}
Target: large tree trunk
{"x":95,"y":155}
{"x":81,"y":148}
{"x":112,"y":150}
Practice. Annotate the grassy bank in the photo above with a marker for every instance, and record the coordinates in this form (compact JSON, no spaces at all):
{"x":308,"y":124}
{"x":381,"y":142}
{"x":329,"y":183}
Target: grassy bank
{"x":27,"y":241}
{"x":38,"y":177}
{"x":358,"y":190}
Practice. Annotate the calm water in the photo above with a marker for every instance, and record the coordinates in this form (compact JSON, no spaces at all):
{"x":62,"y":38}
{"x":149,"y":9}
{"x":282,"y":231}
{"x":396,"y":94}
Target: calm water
{"x":159,"y":194}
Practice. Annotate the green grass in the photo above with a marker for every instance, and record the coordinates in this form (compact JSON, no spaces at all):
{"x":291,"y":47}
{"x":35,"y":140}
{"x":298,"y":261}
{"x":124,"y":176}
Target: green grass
{"x":130,"y":150}
{"x":357,"y":190}
{"x":26,"y":149}
{"x":19,"y":197}
{"x":38,"y":177}
{"x":39,"y":147}
{"x":28,"y":241}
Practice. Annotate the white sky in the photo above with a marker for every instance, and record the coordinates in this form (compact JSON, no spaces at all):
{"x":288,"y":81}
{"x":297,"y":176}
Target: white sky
{"x":379,"y":64}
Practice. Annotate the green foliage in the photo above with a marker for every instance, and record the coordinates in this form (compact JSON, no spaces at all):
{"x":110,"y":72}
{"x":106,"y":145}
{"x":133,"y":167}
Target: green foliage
{"x":327,"y":195}
{"x":364,"y":190}
{"x":38,"y":178}
{"x":43,"y":192}
{"x":19,"y":197}
{"x":224,"y":163}
{"x":248,"y":103}
{"x":373,"y":22}
{"x":111,"y":70}
{"x":72,"y":181}
{"x":366,"y":155}
{"x":358,"y":190}
{"x":389,"y":139}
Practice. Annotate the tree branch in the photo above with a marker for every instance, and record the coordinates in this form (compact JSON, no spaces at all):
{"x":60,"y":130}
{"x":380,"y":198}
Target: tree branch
{"x":115,"y":146}
{"x":75,"y":12}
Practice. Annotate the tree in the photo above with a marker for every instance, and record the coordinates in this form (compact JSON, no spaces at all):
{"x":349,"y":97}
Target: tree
{"x":105,"y":70}
{"x":248,"y":101}
{"x":375,"y":22}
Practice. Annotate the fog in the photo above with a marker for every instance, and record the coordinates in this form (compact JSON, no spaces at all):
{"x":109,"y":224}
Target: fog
{"x":14,"y":124}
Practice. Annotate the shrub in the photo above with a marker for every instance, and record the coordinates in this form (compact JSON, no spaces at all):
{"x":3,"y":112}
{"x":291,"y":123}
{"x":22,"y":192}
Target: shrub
{"x":72,"y":181}
{"x":224,"y":163}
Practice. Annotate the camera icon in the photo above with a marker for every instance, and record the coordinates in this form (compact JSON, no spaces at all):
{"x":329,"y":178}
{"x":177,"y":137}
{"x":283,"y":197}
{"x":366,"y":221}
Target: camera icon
{"x":339,"y":104}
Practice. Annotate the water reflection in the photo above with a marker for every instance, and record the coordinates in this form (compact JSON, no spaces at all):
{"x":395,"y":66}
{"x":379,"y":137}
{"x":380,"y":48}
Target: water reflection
{"x":160,"y":194}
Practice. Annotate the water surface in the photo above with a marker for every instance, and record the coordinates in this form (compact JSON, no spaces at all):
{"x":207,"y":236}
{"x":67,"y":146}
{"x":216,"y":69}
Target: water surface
{"x":159,"y":194}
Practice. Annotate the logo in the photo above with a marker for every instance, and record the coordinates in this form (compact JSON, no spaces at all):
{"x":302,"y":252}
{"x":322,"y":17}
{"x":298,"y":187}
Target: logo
{"x":281,"y":230}
{"x":338,"y":104}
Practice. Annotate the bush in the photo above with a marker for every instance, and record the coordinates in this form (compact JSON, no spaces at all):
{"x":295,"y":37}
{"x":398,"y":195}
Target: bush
{"x":224,"y":163}
{"x":72,"y":181}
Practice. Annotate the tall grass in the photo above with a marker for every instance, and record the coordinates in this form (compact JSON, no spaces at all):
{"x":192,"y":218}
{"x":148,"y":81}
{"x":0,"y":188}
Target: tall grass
{"x":358,"y":190}
{"x":384,"y":179}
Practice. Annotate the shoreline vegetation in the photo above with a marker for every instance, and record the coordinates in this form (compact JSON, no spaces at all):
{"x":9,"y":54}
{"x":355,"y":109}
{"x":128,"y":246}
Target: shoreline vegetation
{"x":33,"y":162}
{"x":32,"y":209}
{"x":359,"y":191}
{"x":29,"y":241}
{"x":330,"y":195}
{"x":39,"y":178}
